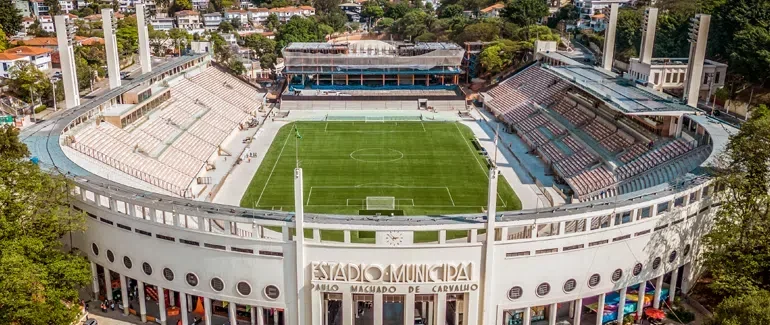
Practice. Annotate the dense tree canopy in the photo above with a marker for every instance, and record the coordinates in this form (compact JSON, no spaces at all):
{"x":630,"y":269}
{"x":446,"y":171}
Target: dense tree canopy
{"x":10,"y":18}
{"x":300,"y":29}
{"x":749,"y":308}
{"x":524,"y":12}
{"x":39,"y":280}
{"x":738,"y":247}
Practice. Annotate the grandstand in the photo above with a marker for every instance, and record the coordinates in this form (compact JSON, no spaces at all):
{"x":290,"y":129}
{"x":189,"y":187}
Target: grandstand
{"x":170,"y":137}
{"x":599,"y":134}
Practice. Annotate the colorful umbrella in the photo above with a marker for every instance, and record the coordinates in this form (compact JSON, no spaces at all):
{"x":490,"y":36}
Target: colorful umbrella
{"x":654,"y":313}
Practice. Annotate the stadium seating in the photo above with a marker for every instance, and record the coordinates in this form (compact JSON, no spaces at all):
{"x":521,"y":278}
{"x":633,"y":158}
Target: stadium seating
{"x":531,"y":85}
{"x":171,"y":145}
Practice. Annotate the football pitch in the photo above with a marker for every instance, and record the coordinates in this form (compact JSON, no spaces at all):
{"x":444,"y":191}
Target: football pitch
{"x":405,"y":168}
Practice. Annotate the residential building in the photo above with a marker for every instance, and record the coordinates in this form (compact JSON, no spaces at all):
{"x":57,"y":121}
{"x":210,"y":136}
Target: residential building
{"x":23,"y":7}
{"x":211,"y":21}
{"x":52,"y":44}
{"x":200,"y":4}
{"x":591,"y":10}
{"x":166,"y":23}
{"x":40,"y":57}
{"x":258,"y":15}
{"x":26,"y":22}
{"x":239,"y":16}
{"x":492,"y":11}
{"x":46,"y":23}
{"x":285,"y":13}
{"x":229,"y":38}
{"x":8,"y":61}
{"x":668,"y":74}
{"x":189,"y":20}
{"x":38,"y":7}
{"x":66,"y":6}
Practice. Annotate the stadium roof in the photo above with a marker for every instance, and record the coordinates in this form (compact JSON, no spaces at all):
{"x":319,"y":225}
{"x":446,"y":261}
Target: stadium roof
{"x":620,"y":93}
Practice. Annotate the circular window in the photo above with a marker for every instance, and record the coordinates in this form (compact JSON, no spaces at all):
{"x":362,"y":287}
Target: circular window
{"x":272,"y":292}
{"x":570,"y":285}
{"x":656,"y":263}
{"x":543,"y":289}
{"x":594,"y":280}
{"x":191,"y":279}
{"x":127,"y":262}
{"x":515,"y":293}
{"x":244,"y":288}
{"x":168,"y":274}
{"x":687,"y":250}
{"x":95,"y":249}
{"x":672,"y":257}
{"x":617,"y":275}
{"x":637,"y":269}
{"x":217,"y":284}
{"x":110,"y":256}
{"x":147,"y":268}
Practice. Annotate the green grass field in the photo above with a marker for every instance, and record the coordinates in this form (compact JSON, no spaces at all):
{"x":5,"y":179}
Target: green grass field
{"x":427,"y":167}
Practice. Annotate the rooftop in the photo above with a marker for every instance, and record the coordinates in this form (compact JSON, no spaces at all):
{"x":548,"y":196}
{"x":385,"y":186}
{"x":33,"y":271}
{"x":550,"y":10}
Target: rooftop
{"x":682,"y":62}
{"x":622,"y":94}
{"x":27,"y":50}
{"x":498,"y":5}
{"x":10,"y":57}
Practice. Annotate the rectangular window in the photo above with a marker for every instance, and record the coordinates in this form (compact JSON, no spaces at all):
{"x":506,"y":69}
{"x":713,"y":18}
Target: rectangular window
{"x":600,"y":222}
{"x":122,"y":226}
{"x":189,"y":242}
{"x":644,"y":213}
{"x":668,"y":77}
{"x":165,"y":237}
{"x":642,"y":233}
{"x":214,"y":246}
{"x":677,"y":222}
{"x":657,"y":78}
{"x":681,"y":76}
{"x":146,"y":233}
{"x":270,"y":253}
{"x":597,"y":243}
{"x":91,"y":215}
{"x":573,"y":247}
{"x":706,"y":191}
{"x":546,"y":251}
{"x":679,"y":202}
{"x":621,"y":238}
{"x":705,"y":79}
{"x":622,"y":218}
{"x":675,"y":77}
{"x":661,"y":227}
{"x":575,"y":226}
{"x":106,"y":221}
{"x":517,"y":254}
{"x":693,"y":197}
{"x":242,"y":250}
{"x":663,"y":207}
{"x":716,"y":77}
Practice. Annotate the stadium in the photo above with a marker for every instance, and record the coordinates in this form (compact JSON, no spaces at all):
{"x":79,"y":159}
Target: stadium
{"x":568,"y":193}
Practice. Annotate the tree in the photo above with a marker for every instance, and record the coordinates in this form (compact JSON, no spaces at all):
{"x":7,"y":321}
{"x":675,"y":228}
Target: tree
{"x":226,"y":27}
{"x":10,"y":18}
{"x":373,"y":10}
{"x":483,"y":32}
{"x":450,"y":11}
{"x":750,"y":308}
{"x":180,"y":5}
{"x":267,"y":61}
{"x":179,"y":37}
{"x":236,"y":66}
{"x":300,"y":29}
{"x":336,"y":19}
{"x":260,"y":44}
{"x":40,"y":280}
{"x":397,"y":10}
{"x":3,"y":41}
{"x":326,"y":6}
{"x":738,"y":247}
{"x":272,"y":22}
{"x":222,"y":52}
{"x":127,"y":36}
{"x":490,"y":59}
{"x":629,"y":34}
{"x":53,"y":7}
{"x":413,"y":24}
{"x":220,"y":5}
{"x":524,"y":12}
{"x":158,"y":39}
{"x":385,"y":23}
{"x":27,"y":82}
{"x":568,"y":13}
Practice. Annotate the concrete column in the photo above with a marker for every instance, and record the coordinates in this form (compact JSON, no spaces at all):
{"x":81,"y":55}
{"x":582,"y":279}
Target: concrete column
{"x":471,"y":316}
{"x":488,"y":303}
{"x":609,"y":38}
{"x":67,"y":59}
{"x":622,"y":303}
{"x":231,"y":313}
{"x":697,"y":56}
{"x":108,"y":283}
{"x":672,"y":286}
{"x":527,"y":316}
{"x":409,"y":309}
{"x":440,"y":309}
{"x":578,"y":313}
{"x":377,"y":309}
{"x":686,"y":278}
{"x":253,"y":315}
{"x":94,"y":281}
{"x":648,"y":35}
{"x":261,"y":316}
{"x":171,"y":298}
{"x":317,"y":308}
{"x":348,"y":312}
{"x":430,"y":314}
{"x":124,"y":294}
{"x":640,"y":301}
{"x":207,"y":311}
{"x":111,"y":47}
{"x":600,"y":309}
{"x":183,"y":308}
{"x":299,"y":224}
{"x":189,"y":303}
{"x":161,"y":305}
{"x":552,"y":313}
{"x":658,"y":287}
{"x":144,"y":39}
{"x":142,"y":301}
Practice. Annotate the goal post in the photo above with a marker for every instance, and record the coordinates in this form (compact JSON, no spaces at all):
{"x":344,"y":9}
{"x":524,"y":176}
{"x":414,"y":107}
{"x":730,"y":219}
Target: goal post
{"x":380,"y":203}
{"x":369,"y":119}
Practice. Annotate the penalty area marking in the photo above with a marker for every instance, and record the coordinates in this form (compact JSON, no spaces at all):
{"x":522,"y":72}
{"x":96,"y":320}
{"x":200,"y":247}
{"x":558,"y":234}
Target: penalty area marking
{"x":361,"y":202}
{"x":272,"y":170}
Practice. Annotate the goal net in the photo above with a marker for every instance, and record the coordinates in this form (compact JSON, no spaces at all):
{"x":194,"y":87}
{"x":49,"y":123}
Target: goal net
{"x":380,"y":203}
{"x":369,"y":119}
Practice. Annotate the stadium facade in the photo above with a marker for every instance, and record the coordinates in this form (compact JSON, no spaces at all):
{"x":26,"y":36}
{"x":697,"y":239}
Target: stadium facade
{"x":634,"y":243}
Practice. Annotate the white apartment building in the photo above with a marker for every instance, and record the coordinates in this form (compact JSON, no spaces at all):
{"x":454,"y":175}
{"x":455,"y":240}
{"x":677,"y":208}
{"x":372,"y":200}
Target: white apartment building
{"x":38,"y":7}
{"x":189,"y":20}
{"x":211,"y":21}
{"x":66,"y":6}
{"x":38,"y":56}
{"x":23,"y":7}
{"x":669,"y":74}
{"x":258,"y":15}
{"x":166,"y":23}
{"x":200,"y":4}
{"x":240,"y":16}
{"x":46,"y":23}
{"x":285,"y":13}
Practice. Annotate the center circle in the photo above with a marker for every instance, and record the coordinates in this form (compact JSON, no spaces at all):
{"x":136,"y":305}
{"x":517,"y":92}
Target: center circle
{"x":377,"y":155}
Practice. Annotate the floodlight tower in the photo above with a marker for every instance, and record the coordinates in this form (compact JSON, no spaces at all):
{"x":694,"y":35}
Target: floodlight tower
{"x":65,"y":32}
{"x":648,"y":35}
{"x":611,"y":17}
{"x":142,"y":20}
{"x":109,"y":25}
{"x":699,"y":31}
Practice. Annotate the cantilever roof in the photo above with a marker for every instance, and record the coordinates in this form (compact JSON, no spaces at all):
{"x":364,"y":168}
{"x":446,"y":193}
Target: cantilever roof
{"x":622,"y":94}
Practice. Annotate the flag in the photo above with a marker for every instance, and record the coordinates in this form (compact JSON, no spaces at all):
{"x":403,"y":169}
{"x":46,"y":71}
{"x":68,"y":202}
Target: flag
{"x":296,"y":130}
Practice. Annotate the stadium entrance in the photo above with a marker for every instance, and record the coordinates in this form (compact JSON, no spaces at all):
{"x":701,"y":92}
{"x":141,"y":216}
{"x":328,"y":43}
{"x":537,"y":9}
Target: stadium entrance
{"x":394,"y":309}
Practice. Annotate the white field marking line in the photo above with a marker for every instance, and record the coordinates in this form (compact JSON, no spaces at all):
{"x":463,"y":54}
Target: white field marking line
{"x":450,"y":195}
{"x":477,"y":160}
{"x":416,"y":206}
{"x":423,"y":127}
{"x":399,"y":204}
{"x":378,"y":186}
{"x":272,"y":170}
{"x":326,"y":127}
{"x":308,"y":196}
